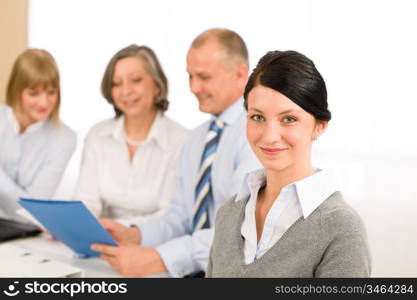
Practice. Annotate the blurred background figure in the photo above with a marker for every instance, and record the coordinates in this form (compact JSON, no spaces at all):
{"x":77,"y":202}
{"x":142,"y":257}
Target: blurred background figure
{"x":129,"y":162}
{"x":35,"y":145}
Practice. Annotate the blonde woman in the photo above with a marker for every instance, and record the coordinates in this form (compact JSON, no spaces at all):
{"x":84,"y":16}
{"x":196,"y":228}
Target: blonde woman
{"x":35,"y":145}
{"x":129,"y":161}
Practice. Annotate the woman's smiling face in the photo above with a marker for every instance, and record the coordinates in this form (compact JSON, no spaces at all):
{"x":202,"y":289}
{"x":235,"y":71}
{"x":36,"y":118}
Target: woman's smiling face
{"x":279,"y":131}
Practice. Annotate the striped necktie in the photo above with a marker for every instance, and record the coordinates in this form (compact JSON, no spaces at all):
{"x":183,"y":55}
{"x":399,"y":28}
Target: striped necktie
{"x":203,"y":192}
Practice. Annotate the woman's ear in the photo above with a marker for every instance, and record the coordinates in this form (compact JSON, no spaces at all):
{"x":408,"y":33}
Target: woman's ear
{"x":319,"y":129}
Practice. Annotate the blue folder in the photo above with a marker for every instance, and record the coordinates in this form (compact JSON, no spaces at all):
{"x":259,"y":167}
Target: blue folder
{"x":71,"y":223}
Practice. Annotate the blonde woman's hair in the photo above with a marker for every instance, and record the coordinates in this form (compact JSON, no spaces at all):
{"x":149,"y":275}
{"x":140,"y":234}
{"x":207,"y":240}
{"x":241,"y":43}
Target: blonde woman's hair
{"x":33,"y":68}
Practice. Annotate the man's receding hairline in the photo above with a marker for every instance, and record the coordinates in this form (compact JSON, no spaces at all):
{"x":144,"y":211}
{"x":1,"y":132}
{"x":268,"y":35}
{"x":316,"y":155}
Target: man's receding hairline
{"x":218,"y":35}
{"x":234,"y":60}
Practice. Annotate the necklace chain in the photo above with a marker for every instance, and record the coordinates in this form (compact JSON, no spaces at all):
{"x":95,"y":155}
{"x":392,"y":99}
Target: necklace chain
{"x":131,"y":142}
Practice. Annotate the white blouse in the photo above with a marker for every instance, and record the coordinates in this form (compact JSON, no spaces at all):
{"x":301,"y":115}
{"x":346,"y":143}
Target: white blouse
{"x":112,"y":186}
{"x":31,"y":163}
{"x":296,"y":200}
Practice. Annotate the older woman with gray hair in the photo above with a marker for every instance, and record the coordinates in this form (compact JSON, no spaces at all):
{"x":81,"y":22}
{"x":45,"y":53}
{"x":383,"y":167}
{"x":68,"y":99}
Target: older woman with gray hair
{"x":129,"y":161}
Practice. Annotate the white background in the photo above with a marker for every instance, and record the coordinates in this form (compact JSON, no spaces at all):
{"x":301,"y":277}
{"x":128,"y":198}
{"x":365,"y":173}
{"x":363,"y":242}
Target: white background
{"x":365,"y":51}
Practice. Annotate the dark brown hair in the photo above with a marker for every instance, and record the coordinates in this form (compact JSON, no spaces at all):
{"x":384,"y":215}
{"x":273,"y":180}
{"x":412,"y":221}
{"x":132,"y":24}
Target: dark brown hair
{"x":295,"y":76}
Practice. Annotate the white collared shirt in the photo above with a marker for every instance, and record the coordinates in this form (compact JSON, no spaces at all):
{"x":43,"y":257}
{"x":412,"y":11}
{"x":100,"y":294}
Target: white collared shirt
{"x":32,"y":162}
{"x":131,"y":191}
{"x":296,"y":200}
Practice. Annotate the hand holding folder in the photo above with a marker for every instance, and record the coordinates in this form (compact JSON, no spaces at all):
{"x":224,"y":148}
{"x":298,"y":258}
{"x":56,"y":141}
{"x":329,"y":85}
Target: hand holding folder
{"x":71,"y":223}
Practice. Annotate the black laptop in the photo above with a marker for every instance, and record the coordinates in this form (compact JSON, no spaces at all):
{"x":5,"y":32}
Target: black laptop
{"x":12,"y":230}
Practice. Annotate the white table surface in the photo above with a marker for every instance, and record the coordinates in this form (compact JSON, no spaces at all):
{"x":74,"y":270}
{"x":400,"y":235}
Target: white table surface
{"x":92,"y":267}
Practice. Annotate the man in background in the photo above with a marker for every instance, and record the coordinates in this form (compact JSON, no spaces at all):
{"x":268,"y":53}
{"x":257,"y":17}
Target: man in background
{"x":213,"y":163}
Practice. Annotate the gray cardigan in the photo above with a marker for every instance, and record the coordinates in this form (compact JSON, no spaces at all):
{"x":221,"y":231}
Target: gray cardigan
{"x":331,"y":242}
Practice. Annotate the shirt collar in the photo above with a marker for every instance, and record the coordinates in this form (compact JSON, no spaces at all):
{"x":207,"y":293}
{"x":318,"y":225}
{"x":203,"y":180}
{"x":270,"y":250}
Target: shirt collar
{"x":157,"y":133}
{"x":232,"y":113}
{"x":310,"y":191}
{"x":314,"y":189}
{"x":252,"y":181}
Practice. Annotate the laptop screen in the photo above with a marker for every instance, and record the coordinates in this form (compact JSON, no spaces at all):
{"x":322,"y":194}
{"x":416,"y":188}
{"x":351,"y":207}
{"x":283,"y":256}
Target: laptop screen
{"x":12,"y":230}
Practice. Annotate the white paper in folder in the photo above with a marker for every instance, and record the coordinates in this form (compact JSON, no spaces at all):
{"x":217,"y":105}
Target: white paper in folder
{"x":19,"y":262}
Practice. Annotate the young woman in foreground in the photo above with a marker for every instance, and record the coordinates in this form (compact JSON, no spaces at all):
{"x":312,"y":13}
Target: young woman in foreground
{"x":289,"y":219}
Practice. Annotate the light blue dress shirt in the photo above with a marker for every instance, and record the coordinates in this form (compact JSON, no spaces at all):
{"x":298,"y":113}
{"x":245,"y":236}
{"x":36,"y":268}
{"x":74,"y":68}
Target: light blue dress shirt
{"x":182,"y":251}
{"x":31,"y":163}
